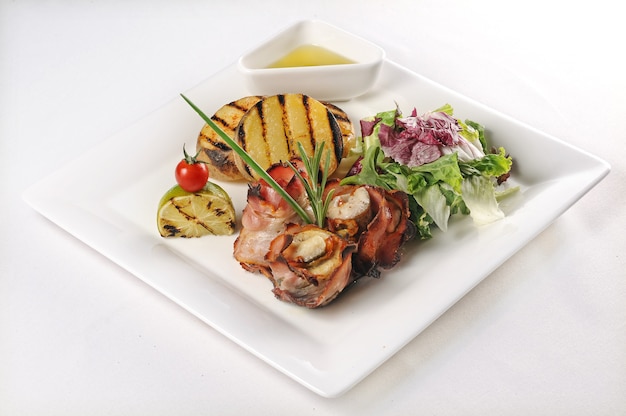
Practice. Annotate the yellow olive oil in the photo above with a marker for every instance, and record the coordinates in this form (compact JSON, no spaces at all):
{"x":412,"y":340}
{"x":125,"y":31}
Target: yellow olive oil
{"x":310,"y":55}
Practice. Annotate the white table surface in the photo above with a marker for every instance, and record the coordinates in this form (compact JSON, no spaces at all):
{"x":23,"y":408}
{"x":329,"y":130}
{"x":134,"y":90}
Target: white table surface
{"x":544,"y":334}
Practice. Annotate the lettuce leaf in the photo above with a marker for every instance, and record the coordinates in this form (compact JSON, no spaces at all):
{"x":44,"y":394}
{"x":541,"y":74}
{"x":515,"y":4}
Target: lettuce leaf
{"x":461,"y":181}
{"x":492,"y":164}
{"x":479,"y":196}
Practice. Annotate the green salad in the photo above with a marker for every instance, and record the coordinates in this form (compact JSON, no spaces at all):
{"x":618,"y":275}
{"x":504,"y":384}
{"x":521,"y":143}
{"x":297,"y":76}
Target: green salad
{"x":443,"y":164}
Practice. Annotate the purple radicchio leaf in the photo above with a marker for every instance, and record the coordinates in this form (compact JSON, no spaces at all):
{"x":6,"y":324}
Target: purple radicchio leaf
{"x":367,"y":126}
{"x":417,"y":140}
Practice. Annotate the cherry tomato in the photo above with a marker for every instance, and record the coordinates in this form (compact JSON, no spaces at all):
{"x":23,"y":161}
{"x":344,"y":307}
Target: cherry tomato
{"x":191,"y":174}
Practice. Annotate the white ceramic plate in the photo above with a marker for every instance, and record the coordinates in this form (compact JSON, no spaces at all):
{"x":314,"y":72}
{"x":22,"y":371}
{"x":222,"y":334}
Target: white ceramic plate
{"x":331,"y":349}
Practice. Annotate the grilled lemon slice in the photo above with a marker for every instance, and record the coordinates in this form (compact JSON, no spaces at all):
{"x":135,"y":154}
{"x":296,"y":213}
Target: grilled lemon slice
{"x":185,"y":214}
{"x":271,"y":129}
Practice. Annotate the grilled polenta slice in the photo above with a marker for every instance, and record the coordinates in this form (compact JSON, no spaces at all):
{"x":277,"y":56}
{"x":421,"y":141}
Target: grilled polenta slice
{"x":218,"y":155}
{"x":271,"y":129}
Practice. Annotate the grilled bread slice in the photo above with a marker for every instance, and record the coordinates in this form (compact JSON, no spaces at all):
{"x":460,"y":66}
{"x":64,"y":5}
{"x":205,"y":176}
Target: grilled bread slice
{"x":218,"y":155}
{"x":271,"y":129}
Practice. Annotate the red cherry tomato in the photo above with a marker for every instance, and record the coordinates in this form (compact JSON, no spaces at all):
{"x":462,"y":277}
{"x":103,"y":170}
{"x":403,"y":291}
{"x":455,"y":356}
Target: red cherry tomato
{"x":191,"y":174}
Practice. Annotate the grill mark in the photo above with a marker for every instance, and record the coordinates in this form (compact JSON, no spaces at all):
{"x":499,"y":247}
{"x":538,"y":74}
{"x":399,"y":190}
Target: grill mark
{"x":217,"y":141}
{"x":288,"y":130}
{"x":241,"y":139}
{"x":222,"y":146}
{"x":224,"y":124}
{"x":179,"y":208}
{"x":340,"y":116}
{"x":309,"y":117}
{"x":265,"y":143}
{"x":337,"y":135}
{"x":171,"y":230}
{"x":241,"y":107}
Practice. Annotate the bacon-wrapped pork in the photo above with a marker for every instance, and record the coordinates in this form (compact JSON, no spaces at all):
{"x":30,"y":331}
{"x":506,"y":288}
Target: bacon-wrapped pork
{"x":377,"y":219}
{"x":309,"y":265}
{"x":366,"y":227}
{"x":265,"y":217}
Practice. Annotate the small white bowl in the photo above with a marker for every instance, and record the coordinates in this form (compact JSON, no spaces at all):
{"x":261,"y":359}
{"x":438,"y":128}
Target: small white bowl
{"x":323,"y":82}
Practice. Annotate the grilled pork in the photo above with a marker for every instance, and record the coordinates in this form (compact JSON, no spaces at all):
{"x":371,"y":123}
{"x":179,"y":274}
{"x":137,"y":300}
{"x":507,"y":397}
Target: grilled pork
{"x":310,"y":266}
{"x":265,"y":217}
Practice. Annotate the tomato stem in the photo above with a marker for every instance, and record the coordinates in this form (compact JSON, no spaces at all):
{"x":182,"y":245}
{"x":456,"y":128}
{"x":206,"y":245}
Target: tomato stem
{"x":191,"y":160}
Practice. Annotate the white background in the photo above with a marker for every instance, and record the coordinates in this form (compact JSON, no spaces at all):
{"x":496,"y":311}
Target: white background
{"x":544,"y":334}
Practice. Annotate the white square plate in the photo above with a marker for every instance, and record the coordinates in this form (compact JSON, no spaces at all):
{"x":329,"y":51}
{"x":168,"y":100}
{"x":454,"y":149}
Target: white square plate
{"x":330,"y":349}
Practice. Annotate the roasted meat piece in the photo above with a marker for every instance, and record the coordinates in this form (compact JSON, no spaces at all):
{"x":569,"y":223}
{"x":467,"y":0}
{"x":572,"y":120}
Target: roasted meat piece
{"x":380,"y":245}
{"x":377,"y":219}
{"x":265,"y":217}
{"x":366,"y":227}
{"x":309,"y":265}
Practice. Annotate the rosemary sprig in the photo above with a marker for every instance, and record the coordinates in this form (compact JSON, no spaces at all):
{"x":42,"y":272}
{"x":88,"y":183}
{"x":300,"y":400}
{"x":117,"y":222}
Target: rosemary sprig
{"x":314,"y":187}
{"x":252,"y":163}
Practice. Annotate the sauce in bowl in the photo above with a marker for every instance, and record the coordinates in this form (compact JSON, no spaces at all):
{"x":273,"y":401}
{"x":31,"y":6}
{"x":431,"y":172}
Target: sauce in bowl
{"x":310,"y":55}
{"x":313,"y":58}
